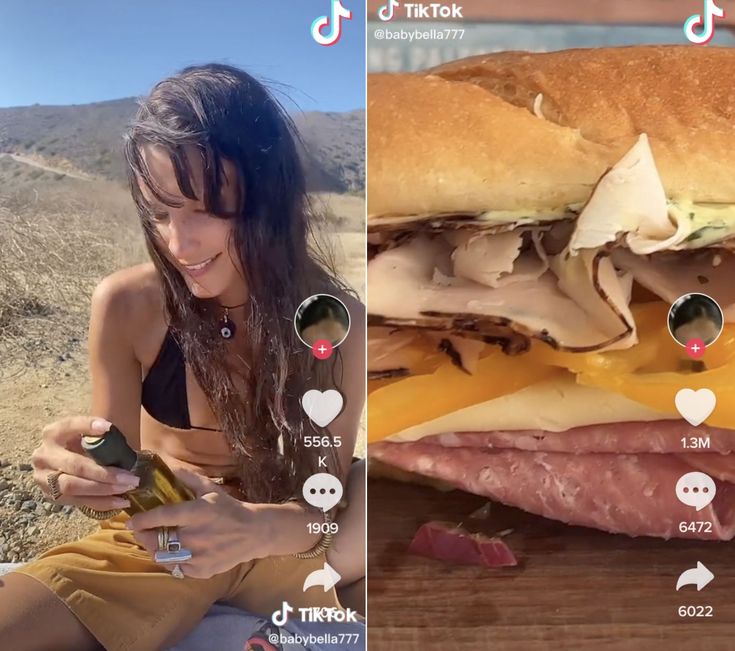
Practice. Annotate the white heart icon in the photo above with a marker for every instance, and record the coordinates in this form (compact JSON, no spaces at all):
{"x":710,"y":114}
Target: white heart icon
{"x":322,"y":407}
{"x":695,"y":406}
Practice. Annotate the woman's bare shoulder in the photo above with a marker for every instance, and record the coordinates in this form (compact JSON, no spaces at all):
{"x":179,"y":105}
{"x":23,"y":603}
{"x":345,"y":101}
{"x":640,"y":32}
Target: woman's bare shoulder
{"x":133,"y":286}
{"x":354,"y":306}
{"x":353,"y":347}
{"x":134,"y":292}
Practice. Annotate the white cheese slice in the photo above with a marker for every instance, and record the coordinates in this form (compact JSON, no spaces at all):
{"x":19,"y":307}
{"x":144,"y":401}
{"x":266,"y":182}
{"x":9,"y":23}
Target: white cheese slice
{"x":554,"y":405}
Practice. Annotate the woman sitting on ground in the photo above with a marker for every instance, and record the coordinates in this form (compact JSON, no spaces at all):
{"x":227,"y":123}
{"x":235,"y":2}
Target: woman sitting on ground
{"x":195,"y":356}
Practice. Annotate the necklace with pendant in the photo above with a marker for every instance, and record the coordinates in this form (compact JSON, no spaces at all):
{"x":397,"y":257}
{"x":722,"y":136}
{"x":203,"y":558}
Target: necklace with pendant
{"x":226,"y":325}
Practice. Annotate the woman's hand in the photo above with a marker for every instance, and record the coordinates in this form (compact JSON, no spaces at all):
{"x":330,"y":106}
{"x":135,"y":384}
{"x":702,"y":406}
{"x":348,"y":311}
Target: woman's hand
{"x":83,"y":481}
{"x":219,"y":530}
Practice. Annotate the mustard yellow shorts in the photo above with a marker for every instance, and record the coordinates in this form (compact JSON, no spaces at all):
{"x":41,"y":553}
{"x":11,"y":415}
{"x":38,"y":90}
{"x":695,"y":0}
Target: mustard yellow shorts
{"x":130,"y":603}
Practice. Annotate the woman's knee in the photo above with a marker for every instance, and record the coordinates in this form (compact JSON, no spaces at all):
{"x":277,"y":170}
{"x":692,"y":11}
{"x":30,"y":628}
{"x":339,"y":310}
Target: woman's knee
{"x":25,"y":602}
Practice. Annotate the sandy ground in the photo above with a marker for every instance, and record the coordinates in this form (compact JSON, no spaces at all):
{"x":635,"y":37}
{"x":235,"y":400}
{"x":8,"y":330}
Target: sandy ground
{"x":58,"y":385}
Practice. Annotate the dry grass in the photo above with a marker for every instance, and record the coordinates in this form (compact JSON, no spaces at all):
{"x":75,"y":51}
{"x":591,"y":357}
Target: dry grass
{"x":342,"y":229}
{"x":59,"y":239}
{"x":55,"y":247}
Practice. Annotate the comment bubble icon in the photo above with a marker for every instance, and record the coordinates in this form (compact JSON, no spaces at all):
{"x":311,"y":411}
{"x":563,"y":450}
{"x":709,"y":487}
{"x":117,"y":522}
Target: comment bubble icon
{"x":696,"y":489}
{"x":322,"y":490}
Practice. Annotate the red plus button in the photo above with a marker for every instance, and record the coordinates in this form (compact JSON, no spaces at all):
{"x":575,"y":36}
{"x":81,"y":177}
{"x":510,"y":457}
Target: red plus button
{"x":322,"y":348}
{"x":695,"y":348}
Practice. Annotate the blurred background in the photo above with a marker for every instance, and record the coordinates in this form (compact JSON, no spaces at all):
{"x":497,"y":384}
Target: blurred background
{"x":536,"y":25}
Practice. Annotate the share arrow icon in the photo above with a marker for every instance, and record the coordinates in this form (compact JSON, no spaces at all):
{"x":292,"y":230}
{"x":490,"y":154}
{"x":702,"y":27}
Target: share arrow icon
{"x":699,"y":576}
{"x":327,"y":577}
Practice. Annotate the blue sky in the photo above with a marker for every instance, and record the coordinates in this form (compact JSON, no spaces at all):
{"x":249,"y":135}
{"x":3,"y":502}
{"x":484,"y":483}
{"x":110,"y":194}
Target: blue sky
{"x":79,"y":51}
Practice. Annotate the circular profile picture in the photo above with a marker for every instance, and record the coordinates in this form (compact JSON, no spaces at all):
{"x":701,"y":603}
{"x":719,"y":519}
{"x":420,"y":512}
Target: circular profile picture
{"x":320,"y":317}
{"x":695,"y":316}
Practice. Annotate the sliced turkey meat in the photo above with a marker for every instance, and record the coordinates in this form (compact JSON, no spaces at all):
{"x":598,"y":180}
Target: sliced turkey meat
{"x":404,"y":292}
{"x":500,"y":259}
{"x":630,"y":201}
{"x":396,"y":352}
{"x":671,"y":275}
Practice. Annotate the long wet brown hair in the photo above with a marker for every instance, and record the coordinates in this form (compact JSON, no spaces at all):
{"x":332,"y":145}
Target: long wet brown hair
{"x":222,"y":112}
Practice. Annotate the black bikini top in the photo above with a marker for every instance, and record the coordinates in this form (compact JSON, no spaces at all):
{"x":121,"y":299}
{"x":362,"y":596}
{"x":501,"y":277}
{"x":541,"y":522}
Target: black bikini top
{"x":164,"y":388}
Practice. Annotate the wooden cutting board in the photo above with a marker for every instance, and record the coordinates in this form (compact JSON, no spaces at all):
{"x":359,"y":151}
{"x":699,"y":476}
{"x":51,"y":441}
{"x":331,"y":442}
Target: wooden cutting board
{"x":574,"y":588}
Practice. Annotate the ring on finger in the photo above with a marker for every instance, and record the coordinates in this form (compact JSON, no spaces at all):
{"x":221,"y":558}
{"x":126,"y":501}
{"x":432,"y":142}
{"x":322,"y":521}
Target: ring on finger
{"x":163,"y":535}
{"x":52,"y":479}
{"x":165,"y":558}
{"x":173,"y":544}
{"x":171,"y":551}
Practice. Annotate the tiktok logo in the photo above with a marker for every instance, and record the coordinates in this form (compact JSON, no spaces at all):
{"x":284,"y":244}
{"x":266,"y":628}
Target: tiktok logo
{"x":705,"y":21}
{"x":387,"y":11}
{"x":280,"y":617}
{"x":334,"y":20}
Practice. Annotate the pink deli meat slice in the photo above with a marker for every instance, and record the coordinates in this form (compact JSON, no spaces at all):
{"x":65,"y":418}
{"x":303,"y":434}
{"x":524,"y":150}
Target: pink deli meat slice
{"x":620,"y":493}
{"x":717,"y":466}
{"x":451,"y":543}
{"x":663,"y":436}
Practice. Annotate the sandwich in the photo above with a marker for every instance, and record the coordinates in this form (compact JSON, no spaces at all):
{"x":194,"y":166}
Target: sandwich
{"x":531,"y":219}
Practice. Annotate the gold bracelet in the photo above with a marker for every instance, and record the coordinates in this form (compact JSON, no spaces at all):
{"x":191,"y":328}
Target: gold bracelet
{"x":321,"y":545}
{"x":99,"y":515}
